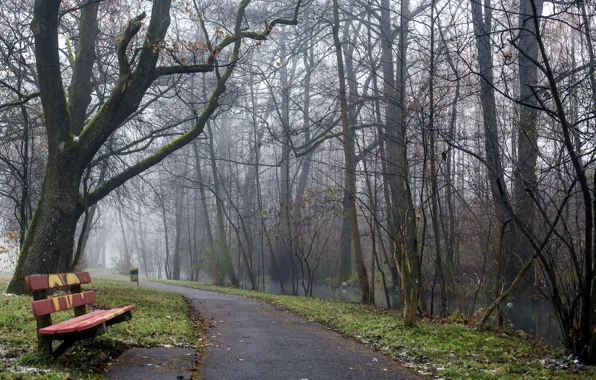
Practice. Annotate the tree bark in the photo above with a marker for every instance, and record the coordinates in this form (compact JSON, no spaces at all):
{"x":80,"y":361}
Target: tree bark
{"x":404,"y":217}
{"x":222,"y":241}
{"x":434,"y":177}
{"x":482,"y":28}
{"x":345,"y":252}
{"x":126,"y":261}
{"x":350,"y":176}
{"x":525,"y":181}
{"x":213,"y":256}
{"x":284,"y":243}
{"x":179,"y":217}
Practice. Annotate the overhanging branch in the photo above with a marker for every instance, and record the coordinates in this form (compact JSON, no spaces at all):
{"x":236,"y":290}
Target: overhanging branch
{"x":20,"y":102}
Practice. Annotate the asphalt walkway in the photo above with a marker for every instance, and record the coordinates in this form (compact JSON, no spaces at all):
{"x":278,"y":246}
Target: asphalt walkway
{"x":248,"y":339}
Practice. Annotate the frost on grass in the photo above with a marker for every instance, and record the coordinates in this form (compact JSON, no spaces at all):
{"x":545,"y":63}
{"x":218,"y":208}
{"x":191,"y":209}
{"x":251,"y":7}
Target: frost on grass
{"x":30,"y":370}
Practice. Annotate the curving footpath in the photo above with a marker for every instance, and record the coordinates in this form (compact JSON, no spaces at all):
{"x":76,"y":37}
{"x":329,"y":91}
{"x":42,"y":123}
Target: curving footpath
{"x":248,"y":339}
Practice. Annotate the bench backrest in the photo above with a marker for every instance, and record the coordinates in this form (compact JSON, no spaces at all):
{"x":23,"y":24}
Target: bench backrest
{"x":40,"y":284}
{"x":51,"y":281}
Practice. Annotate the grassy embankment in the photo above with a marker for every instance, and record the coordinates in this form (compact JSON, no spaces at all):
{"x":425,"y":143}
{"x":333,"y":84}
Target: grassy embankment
{"x":435,"y":349}
{"x":161,"y":318}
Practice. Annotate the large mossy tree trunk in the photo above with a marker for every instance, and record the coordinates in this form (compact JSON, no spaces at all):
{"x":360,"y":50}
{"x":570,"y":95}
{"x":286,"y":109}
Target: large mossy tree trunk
{"x":48,"y":245}
{"x":50,"y":240}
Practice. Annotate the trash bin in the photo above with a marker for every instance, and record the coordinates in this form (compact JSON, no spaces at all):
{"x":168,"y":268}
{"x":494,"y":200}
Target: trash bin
{"x":134,"y":275}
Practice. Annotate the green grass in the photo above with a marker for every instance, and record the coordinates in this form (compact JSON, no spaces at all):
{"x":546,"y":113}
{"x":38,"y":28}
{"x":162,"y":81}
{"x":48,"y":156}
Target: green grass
{"x":160,"y":318}
{"x":446,"y":350}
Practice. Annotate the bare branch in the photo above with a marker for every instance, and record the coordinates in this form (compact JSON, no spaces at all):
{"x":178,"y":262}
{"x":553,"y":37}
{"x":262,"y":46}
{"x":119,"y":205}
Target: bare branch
{"x":20,"y":102}
{"x":131,"y":30}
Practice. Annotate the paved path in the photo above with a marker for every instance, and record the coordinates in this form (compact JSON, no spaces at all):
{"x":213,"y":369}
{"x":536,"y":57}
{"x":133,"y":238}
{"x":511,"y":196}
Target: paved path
{"x":252,"y":340}
{"x":155,"y":363}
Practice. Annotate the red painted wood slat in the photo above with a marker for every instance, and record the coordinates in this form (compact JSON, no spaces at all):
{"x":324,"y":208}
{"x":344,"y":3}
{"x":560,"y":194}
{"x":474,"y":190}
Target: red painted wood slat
{"x":60,"y":303}
{"x":56,"y":280}
{"x":85,"y":322}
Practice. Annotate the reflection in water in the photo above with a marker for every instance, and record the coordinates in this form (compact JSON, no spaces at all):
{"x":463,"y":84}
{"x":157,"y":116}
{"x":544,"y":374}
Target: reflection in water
{"x":534,"y":317}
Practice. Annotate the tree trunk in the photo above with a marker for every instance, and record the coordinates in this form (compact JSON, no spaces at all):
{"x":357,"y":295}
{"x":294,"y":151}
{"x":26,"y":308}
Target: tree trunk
{"x":450,"y":234}
{"x":24,"y":200}
{"x":350,"y":176}
{"x":49,"y":244}
{"x":256,"y":133}
{"x":345,"y":245}
{"x":166,"y":231}
{"x":482,"y":29}
{"x":179,"y":210}
{"x":388,"y":74}
{"x":404,"y":218}
{"x":126,"y":262}
{"x":434,"y":175}
{"x":222,"y":241}
{"x":345,"y":258}
{"x":284,"y":249}
{"x":527,"y":136}
{"x":213,"y":255}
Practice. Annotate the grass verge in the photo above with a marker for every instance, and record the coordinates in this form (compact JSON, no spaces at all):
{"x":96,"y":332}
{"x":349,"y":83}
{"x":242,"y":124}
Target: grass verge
{"x":436,"y":350}
{"x":160,"y":318}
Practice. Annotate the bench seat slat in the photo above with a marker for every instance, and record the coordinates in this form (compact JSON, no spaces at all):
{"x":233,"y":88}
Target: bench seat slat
{"x":60,"y":303}
{"x":85,"y":322}
{"x":51,"y":281}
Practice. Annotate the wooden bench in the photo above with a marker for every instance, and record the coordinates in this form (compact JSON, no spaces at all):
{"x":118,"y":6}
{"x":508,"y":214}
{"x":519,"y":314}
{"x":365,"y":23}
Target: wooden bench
{"x":84,"y":325}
